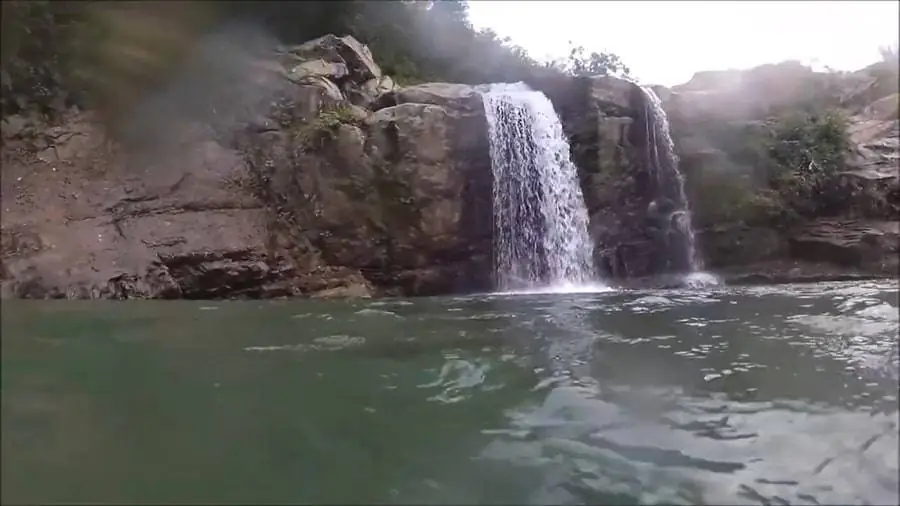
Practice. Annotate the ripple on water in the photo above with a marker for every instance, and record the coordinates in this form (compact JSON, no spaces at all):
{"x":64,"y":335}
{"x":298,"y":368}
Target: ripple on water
{"x":324,"y":343}
{"x":379,"y":312}
{"x":697,"y":450}
{"x":649,"y":304}
{"x":458,"y":379}
{"x":480,"y":316}
{"x":388,"y":303}
{"x":863,"y":335}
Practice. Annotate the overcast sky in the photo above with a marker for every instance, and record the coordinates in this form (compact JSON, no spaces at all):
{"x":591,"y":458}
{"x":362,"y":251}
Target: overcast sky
{"x":666,"y":42}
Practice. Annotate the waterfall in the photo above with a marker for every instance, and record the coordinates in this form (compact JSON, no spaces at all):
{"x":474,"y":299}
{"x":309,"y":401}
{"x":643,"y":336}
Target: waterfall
{"x":671,"y":199}
{"x":541,"y":239}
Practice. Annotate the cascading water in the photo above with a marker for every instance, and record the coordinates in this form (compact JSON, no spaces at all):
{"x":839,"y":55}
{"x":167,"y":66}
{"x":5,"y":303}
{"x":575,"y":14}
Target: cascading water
{"x":663,"y":161}
{"x":541,"y":240}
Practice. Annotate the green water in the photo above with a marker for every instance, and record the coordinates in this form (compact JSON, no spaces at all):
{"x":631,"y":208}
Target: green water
{"x":739,"y":396}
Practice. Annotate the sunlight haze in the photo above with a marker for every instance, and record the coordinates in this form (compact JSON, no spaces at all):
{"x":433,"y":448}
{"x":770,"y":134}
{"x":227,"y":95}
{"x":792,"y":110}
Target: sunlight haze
{"x":666,"y":42}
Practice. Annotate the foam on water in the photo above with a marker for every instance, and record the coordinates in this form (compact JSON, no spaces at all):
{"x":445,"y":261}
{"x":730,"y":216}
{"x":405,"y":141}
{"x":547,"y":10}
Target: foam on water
{"x":701,"y":279}
{"x":562,"y":288}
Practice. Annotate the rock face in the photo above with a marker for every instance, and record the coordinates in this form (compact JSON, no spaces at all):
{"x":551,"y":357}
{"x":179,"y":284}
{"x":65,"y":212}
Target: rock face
{"x":340,"y":185}
{"x":861,"y":237}
{"x":312,"y":174}
{"x":607,"y":125}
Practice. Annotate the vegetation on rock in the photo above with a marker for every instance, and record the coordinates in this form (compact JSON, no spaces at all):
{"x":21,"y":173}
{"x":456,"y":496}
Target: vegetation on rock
{"x":805,"y":153}
{"x":310,"y":135}
{"x":777,"y":165}
{"x":581,"y":64}
{"x":107,"y":55}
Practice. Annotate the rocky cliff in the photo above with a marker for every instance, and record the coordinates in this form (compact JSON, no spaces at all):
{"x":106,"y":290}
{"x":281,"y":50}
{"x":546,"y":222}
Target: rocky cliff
{"x":607,"y":122}
{"x":336,"y":183}
{"x":714,"y":119}
{"x":314,"y":174}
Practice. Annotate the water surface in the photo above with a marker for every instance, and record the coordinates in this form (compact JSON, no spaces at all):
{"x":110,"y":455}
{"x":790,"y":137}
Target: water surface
{"x":767,"y":395}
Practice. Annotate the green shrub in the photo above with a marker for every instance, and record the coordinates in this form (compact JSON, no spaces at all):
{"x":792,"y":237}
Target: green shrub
{"x":311,"y":135}
{"x":781,"y":170}
{"x":806,"y":152}
{"x":580,"y":63}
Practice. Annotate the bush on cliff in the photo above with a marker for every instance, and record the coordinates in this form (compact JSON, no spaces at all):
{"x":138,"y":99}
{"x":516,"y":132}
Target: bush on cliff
{"x":579,"y":63}
{"x":794,"y":162}
{"x":806,"y":152}
{"x":108,"y":55}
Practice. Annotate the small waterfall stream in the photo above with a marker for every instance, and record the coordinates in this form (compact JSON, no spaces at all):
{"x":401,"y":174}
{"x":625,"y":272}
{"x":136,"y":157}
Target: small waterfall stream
{"x":663,"y":162}
{"x":541,"y":240}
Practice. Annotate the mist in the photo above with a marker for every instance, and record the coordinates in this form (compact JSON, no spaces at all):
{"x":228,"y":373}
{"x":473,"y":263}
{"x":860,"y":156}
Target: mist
{"x":219,"y":86}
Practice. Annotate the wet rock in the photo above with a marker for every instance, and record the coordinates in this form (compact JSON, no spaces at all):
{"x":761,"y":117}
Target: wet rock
{"x":630,"y":220}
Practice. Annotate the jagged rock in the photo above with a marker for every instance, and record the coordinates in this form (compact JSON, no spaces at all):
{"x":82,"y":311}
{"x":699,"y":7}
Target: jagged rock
{"x":411,"y":129}
{"x":343,"y":292}
{"x":346,"y":50}
{"x":309,"y":100}
{"x":314,"y":195}
{"x":369,"y":91}
{"x":342,"y":66}
{"x":418,"y":199}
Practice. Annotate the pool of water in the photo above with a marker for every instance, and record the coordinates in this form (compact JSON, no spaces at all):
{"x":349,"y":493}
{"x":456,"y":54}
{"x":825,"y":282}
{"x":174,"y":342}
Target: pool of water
{"x":764,"y":395}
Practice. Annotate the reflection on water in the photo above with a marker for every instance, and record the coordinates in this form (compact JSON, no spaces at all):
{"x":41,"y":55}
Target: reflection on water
{"x":765,"y":395}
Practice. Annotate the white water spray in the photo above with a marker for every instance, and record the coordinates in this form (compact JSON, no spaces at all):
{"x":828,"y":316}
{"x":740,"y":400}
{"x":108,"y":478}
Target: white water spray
{"x":541,"y":240}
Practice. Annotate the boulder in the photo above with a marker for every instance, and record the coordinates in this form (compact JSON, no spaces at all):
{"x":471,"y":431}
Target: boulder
{"x":347,"y":51}
{"x":318,"y":68}
{"x":459,"y":97}
{"x":341,"y":65}
{"x":429,"y":213}
{"x":398,"y":194}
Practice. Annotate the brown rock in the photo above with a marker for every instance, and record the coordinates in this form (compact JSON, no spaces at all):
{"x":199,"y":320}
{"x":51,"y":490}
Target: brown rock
{"x":868,"y":246}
